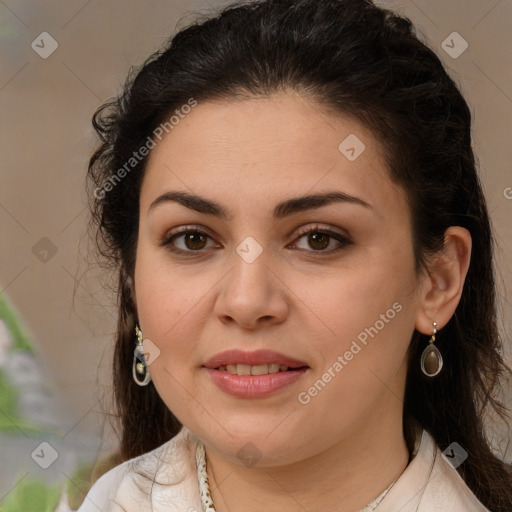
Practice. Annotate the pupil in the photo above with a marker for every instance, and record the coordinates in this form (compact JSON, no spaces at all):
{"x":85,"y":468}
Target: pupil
{"x":315,"y":237}
{"x":190,"y":238}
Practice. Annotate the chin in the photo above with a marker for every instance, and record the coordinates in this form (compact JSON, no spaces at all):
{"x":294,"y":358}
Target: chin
{"x":252,"y":442}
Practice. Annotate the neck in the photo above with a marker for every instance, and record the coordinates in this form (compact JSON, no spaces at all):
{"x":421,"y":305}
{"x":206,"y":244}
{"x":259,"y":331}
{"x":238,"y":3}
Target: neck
{"x":344,"y":478}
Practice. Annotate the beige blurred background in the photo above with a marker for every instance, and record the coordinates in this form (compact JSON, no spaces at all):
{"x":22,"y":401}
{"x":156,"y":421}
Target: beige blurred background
{"x":46,"y":138}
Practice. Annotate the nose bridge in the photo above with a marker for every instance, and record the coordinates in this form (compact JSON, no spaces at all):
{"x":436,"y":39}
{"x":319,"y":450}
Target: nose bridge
{"x":250,"y":260}
{"x":250,"y":290}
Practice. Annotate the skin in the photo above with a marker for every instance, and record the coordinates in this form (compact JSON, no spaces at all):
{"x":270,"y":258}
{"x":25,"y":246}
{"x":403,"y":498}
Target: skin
{"x":345,"y":446}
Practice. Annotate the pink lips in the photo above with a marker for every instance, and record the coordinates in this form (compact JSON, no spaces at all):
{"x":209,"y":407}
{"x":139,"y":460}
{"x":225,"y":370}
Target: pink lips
{"x":253,"y":386}
{"x":253,"y":358}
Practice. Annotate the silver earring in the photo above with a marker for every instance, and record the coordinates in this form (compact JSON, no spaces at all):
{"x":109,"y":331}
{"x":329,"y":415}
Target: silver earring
{"x":140,"y":370}
{"x":431,"y":358}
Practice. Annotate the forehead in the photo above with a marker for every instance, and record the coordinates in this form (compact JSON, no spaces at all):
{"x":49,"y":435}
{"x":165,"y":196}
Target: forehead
{"x":266,"y":148}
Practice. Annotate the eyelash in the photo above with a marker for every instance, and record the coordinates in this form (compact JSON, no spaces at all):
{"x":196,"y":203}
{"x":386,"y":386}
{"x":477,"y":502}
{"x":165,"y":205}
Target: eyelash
{"x":167,"y":241}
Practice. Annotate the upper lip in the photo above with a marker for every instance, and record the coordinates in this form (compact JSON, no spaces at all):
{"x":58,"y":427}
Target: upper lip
{"x":255,"y":358}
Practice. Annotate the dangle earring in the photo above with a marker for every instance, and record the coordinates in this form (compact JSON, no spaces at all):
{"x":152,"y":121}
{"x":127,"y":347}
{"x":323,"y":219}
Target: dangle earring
{"x":431,"y":358}
{"x":140,"y":370}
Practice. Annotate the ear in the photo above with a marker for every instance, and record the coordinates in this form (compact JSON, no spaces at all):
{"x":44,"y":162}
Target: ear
{"x":131,"y":287}
{"x":442,"y":287}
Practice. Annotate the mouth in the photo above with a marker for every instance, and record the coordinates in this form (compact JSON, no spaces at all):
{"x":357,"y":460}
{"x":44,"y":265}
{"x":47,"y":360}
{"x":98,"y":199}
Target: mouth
{"x":260,"y":369}
{"x":254,"y":374}
{"x":240,"y":362}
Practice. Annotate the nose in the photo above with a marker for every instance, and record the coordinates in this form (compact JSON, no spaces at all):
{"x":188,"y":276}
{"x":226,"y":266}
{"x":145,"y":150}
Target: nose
{"x":252,"y":293}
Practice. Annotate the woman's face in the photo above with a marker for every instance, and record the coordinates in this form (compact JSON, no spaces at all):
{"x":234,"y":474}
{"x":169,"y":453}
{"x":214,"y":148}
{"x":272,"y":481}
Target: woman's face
{"x":339,"y":312}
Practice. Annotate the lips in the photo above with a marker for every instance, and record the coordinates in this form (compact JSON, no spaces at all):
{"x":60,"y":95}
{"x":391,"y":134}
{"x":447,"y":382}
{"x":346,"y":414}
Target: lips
{"x":256,"y":358}
{"x":253,"y":374}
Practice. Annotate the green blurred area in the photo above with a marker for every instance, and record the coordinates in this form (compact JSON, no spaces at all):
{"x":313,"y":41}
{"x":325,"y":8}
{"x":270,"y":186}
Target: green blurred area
{"x":11,"y":420}
{"x":32,"y":496}
{"x":20,"y":338}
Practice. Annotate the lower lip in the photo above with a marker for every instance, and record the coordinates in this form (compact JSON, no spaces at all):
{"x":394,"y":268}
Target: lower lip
{"x":254,"y":386}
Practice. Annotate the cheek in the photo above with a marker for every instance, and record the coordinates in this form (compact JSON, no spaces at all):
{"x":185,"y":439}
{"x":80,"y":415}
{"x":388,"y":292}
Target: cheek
{"x":168,"y":305}
{"x":355,"y":298}
{"x":368,"y":317}
{"x":362,"y":355}
{"x":169,"y":316}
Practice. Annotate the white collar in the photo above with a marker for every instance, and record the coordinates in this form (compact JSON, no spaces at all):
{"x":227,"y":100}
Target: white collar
{"x":166,"y":480}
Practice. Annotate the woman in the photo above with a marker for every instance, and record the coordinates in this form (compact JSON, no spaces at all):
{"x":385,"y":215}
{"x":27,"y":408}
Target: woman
{"x":307,"y":302}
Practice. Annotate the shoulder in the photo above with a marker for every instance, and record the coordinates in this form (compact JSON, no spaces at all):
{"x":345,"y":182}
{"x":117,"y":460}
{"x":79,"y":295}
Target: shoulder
{"x":447,"y":488}
{"x":430,"y":483}
{"x":140,"y":483}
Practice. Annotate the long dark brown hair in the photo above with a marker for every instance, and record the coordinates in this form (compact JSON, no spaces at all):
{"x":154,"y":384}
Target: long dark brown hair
{"x":357,"y":59}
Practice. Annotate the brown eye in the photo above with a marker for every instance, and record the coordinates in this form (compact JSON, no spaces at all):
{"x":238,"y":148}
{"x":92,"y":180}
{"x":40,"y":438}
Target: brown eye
{"x":319,"y":239}
{"x":193,"y":240}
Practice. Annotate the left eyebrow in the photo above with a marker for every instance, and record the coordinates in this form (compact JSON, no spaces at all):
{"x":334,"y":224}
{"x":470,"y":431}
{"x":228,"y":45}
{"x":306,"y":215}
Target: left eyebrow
{"x":281,"y":210}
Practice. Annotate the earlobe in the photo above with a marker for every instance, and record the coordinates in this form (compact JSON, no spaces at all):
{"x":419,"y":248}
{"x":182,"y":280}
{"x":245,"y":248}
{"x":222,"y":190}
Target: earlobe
{"x":447,"y":273}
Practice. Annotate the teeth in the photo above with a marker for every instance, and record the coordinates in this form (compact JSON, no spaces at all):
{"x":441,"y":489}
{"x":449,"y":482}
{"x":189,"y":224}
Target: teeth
{"x":245,"y":369}
{"x":261,"y":369}
{"x":231,"y":368}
